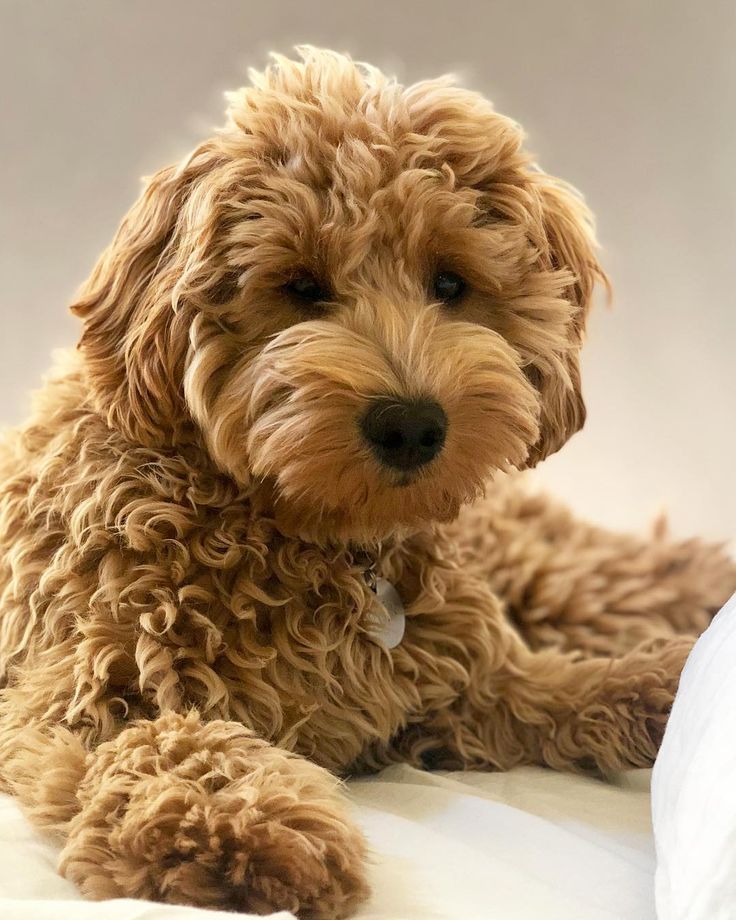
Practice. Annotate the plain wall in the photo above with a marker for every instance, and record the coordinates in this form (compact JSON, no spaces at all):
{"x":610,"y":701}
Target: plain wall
{"x":632,"y":101}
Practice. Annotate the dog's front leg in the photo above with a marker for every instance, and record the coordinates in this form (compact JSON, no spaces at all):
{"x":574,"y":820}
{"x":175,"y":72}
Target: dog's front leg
{"x":519,"y":706}
{"x":203,"y":813}
{"x":578,"y":715}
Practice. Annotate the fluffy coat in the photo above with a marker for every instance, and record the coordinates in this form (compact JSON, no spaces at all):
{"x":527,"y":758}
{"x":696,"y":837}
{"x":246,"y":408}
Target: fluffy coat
{"x":187,"y":657}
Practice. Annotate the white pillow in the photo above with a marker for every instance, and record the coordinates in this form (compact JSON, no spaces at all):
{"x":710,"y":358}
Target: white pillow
{"x":694,"y":784}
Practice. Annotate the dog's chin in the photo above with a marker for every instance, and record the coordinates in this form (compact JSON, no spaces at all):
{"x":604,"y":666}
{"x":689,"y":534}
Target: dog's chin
{"x":369,"y":525}
{"x":376,"y":509}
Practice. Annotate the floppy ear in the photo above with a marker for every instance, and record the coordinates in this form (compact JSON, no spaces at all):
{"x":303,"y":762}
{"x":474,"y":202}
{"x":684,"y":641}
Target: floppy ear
{"x":566,"y":243}
{"x":134,"y":340}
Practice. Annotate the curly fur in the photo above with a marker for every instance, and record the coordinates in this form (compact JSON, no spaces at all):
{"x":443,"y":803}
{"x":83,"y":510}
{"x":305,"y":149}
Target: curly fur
{"x":186,"y":649}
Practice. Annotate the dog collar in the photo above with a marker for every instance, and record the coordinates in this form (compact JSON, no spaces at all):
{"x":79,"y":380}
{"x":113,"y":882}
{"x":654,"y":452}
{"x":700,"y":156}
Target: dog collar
{"x":387,"y":619}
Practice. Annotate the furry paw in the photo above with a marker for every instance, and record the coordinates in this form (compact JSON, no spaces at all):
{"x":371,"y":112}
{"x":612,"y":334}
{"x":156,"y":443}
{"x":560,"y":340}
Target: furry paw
{"x":214,"y":818}
{"x":625,"y":725}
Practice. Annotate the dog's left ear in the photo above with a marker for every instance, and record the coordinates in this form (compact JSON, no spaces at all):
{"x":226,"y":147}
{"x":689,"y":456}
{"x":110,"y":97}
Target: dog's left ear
{"x":134,"y":340}
{"x":566,"y":243}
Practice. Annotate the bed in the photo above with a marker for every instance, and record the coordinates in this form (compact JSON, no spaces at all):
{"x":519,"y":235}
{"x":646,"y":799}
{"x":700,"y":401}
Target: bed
{"x":526,"y":844}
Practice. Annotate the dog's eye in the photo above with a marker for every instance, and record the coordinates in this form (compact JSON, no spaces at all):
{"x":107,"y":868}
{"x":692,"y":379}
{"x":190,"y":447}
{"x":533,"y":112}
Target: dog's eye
{"x":306,"y":288}
{"x":448,"y":286}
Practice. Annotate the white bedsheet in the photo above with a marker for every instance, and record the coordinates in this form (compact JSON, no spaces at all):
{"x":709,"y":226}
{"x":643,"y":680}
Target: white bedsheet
{"x":525,"y":845}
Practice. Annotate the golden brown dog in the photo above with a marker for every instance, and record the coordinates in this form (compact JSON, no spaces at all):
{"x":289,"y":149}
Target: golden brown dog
{"x":308,"y":351}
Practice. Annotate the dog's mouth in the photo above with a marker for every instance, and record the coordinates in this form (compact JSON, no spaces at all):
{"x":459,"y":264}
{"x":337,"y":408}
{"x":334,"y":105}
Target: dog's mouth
{"x":403,"y":481}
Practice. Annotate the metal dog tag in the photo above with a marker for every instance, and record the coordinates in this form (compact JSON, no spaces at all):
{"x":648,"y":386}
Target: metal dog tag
{"x":388,"y":632}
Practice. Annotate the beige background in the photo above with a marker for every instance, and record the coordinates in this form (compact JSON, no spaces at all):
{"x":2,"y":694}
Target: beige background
{"x":633,"y":101}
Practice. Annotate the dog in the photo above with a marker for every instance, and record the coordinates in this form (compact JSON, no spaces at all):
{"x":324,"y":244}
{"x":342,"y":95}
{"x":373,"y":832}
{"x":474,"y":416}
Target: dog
{"x":268,"y":525}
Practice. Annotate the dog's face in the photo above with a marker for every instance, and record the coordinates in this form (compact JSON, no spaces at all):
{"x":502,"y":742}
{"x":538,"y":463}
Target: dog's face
{"x":364,"y":299}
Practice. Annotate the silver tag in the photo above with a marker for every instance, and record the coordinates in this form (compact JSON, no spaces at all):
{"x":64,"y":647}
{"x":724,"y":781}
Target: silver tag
{"x":387,"y":624}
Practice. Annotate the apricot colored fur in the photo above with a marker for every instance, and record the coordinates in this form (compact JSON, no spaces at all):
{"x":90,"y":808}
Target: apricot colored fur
{"x":187,"y":518}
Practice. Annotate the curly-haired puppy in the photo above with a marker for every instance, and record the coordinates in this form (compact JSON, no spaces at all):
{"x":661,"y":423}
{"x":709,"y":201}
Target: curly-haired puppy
{"x":308,"y":351}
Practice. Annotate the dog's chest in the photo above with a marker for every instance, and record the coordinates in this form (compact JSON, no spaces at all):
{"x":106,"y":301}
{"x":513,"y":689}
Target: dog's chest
{"x":303,"y":645}
{"x":241,"y":622}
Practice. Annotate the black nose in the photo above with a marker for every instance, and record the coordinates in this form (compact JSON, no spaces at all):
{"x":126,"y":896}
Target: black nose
{"x":405,"y":434}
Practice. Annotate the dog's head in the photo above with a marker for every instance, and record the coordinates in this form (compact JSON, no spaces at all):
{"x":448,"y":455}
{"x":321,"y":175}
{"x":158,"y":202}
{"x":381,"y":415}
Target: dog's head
{"x":363,"y":298}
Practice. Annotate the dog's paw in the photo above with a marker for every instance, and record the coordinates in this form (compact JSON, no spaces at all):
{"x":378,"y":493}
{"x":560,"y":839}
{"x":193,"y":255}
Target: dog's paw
{"x":623,"y":727}
{"x":229,"y":851}
{"x":659,"y":685}
{"x":204,"y":814}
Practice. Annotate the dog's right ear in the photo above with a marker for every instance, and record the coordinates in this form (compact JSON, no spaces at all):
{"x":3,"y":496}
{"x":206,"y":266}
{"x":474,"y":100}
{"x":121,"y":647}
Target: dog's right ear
{"x":565,"y":239}
{"x":134,"y":341}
